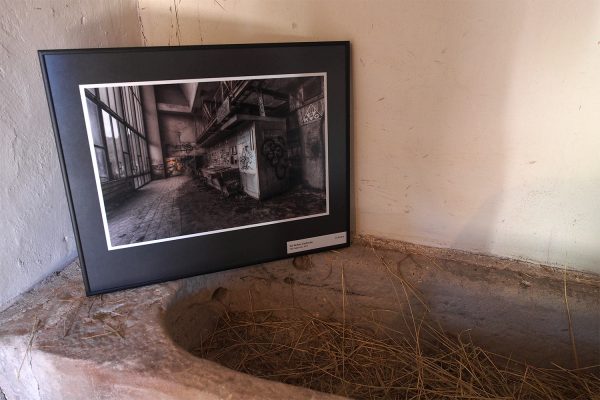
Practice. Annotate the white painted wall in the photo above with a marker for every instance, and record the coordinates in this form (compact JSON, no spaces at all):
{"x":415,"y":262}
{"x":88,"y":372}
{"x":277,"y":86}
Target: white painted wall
{"x":37,"y":237}
{"x":476,"y":123}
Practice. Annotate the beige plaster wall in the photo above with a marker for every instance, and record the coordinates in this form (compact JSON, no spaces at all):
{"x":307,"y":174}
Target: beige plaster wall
{"x":476,"y":123}
{"x":37,"y":237}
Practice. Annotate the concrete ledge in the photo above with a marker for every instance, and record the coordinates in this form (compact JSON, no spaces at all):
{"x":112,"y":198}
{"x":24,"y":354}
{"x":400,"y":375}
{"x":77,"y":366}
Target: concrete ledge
{"x":57,"y":344}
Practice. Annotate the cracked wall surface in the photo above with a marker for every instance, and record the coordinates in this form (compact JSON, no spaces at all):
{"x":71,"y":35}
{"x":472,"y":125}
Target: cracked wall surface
{"x":37,"y":237}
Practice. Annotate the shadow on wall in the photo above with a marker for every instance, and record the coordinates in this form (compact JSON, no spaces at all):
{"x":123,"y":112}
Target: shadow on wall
{"x":464,"y":170}
{"x":445,"y":176}
{"x":570,"y":223}
{"x":520,"y":213}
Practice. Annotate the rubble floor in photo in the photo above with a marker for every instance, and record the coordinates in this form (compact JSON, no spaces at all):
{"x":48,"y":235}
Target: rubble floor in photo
{"x":184,"y":205}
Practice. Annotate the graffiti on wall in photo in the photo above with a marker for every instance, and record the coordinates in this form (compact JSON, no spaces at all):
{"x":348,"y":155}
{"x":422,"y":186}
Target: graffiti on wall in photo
{"x":275,"y":151}
{"x":247,"y":160}
{"x":311,"y":112}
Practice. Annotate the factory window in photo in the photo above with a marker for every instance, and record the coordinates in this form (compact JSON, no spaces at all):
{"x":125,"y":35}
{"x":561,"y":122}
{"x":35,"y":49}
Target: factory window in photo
{"x":175,"y":159}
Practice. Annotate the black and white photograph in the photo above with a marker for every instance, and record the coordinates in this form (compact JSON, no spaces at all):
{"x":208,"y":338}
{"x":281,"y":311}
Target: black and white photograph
{"x":176,"y":159}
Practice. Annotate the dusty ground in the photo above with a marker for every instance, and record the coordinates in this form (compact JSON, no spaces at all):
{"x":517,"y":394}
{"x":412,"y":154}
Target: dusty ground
{"x":183,"y":205}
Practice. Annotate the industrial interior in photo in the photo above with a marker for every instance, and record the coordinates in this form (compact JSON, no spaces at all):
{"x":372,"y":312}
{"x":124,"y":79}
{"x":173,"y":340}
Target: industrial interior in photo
{"x":185,"y":158}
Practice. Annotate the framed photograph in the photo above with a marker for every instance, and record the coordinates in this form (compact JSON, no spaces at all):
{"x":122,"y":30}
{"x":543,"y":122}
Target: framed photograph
{"x":180,"y":161}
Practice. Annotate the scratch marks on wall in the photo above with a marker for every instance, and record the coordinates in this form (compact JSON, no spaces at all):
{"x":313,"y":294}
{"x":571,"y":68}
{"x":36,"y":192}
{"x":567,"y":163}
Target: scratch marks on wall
{"x":175,"y":13}
{"x":217,"y":2}
{"x":141,"y":24}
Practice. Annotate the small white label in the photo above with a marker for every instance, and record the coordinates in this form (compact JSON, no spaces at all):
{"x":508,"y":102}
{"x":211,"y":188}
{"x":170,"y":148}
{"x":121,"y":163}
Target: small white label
{"x":316,"y":242}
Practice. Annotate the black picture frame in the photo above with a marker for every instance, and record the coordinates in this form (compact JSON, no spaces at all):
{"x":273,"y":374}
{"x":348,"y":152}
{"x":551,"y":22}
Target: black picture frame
{"x":75,"y":81}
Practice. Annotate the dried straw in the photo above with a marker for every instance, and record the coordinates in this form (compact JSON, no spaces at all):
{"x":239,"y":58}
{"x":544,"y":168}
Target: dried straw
{"x":421,"y":362}
{"x":337,"y":358}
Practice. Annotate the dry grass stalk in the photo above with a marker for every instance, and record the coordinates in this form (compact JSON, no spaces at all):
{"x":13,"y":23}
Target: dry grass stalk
{"x":339,"y":358}
{"x":34,"y":329}
{"x":419,"y":362}
{"x":571,"y":334}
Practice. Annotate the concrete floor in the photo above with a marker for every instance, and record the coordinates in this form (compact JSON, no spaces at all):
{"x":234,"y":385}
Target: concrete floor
{"x":184,"y":205}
